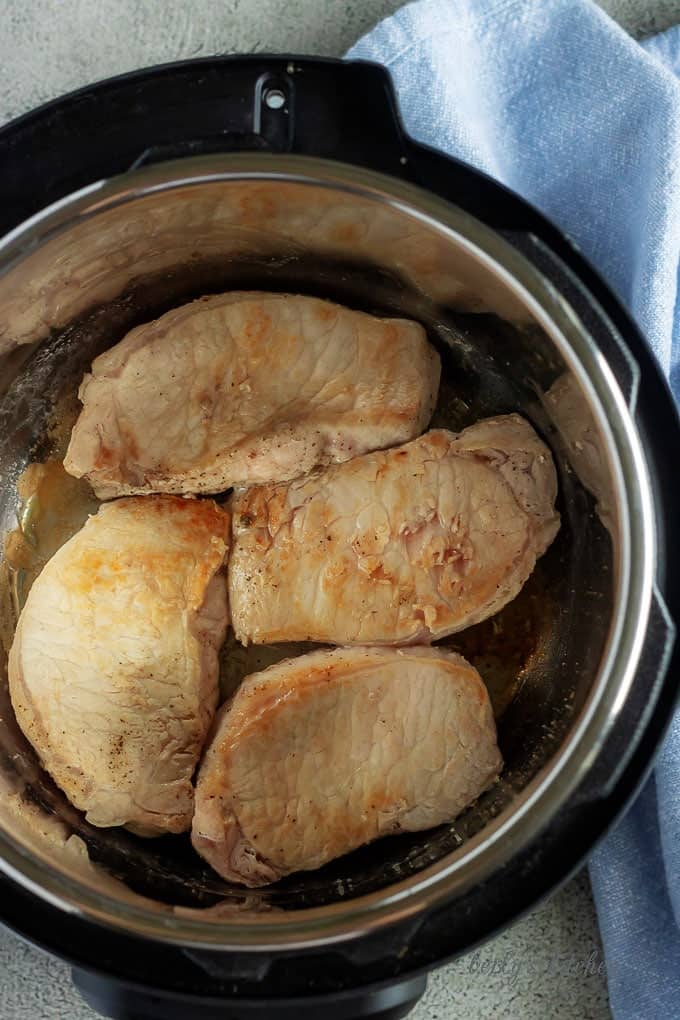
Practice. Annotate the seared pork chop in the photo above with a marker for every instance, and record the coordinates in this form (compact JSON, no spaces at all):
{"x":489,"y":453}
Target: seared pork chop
{"x":398,"y":547}
{"x":320,"y":754}
{"x":113,"y":669}
{"x":248,"y":387}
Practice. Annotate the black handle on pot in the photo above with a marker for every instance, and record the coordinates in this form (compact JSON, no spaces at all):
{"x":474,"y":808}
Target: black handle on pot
{"x":634,"y":722}
{"x":279,"y":104}
{"x":122,"y":1001}
{"x":314,"y":107}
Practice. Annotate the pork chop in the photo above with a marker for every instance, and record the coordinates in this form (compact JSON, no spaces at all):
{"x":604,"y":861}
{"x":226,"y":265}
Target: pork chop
{"x":113,"y":668}
{"x":320,"y":754}
{"x":248,"y":387}
{"x":398,"y":547}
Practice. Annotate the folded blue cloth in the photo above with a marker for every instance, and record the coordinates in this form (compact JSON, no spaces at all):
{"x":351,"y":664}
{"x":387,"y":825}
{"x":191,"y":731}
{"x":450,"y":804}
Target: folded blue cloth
{"x":556,"y":101}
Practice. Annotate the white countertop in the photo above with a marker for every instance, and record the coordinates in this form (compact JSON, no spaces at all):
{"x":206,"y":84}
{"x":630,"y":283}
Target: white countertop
{"x":547,"y":965}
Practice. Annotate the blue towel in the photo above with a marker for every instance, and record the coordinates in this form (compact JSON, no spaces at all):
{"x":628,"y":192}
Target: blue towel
{"x":556,"y":101}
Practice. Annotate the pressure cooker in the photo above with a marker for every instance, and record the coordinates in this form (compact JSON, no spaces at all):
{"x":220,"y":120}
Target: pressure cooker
{"x":135,"y":195}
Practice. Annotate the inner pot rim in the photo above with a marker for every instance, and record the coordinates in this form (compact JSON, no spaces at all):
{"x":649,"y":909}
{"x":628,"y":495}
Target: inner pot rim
{"x":533,"y":808}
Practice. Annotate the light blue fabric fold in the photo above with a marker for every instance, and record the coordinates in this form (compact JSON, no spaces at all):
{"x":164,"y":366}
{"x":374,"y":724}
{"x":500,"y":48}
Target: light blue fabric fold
{"x":557,"y":102}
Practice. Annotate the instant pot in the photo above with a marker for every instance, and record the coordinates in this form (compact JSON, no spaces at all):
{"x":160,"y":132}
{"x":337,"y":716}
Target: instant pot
{"x":289,"y":174}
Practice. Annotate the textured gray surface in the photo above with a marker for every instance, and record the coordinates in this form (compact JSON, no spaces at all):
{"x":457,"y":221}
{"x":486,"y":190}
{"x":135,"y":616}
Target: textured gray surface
{"x":47,"y":48}
{"x":548,"y":966}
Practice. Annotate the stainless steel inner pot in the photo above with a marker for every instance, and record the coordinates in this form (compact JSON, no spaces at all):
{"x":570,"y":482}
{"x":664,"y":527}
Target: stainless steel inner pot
{"x":559,"y":660}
